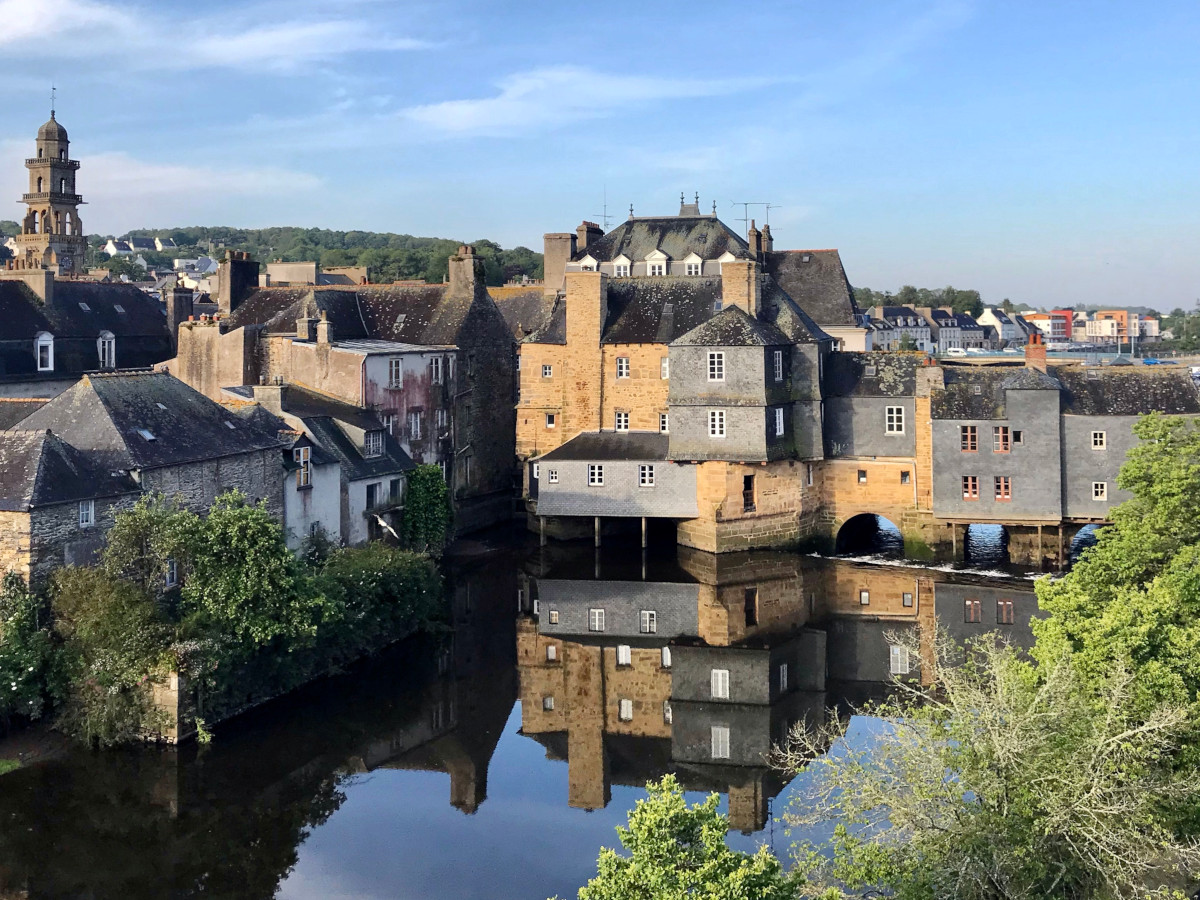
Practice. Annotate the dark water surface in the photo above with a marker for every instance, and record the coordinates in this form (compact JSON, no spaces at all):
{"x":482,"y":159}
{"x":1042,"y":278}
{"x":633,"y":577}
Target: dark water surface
{"x":483,"y":763}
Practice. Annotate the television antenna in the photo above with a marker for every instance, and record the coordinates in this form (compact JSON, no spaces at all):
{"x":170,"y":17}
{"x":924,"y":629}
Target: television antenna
{"x":604,"y":216}
{"x":745,"y":205}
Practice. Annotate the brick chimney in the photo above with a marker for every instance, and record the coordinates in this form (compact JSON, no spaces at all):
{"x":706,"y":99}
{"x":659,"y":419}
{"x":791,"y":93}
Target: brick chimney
{"x":180,"y":308}
{"x":556,"y":250}
{"x":740,"y":285}
{"x":588,"y":233}
{"x":237,"y":279}
{"x":1035,"y":352}
{"x":754,"y":239}
{"x":466,"y":271}
{"x":768,"y":243}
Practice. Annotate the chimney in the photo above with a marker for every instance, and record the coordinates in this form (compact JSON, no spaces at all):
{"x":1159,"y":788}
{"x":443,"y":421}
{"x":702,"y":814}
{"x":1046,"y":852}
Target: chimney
{"x":324,"y":331}
{"x":306,"y":329}
{"x":588,"y":233}
{"x":754,"y":239}
{"x":557,"y":249}
{"x":270,"y":396}
{"x":180,"y":308}
{"x":740,"y":285}
{"x":1035,"y":352}
{"x":768,"y":244}
{"x":466,"y":271}
{"x":237,"y":279}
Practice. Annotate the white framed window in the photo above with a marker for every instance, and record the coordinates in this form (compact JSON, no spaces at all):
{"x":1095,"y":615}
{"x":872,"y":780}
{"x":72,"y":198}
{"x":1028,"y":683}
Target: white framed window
{"x":537,"y":469}
{"x":107,"y":347}
{"x":373,"y":443}
{"x":895,"y":420}
{"x":621,"y":270}
{"x":648,"y":621}
{"x":779,"y":421}
{"x":547,"y":371}
{"x":664,"y":367}
{"x":621,"y":421}
{"x":87,"y":513}
{"x":783,"y":677}
{"x":898,"y":660}
{"x":716,"y":366}
{"x":550,"y":420}
{"x":622,"y":366}
{"x":777,"y":364}
{"x":720,"y":741}
{"x":414,"y":425}
{"x":171,"y":575}
{"x":646,"y":475}
{"x":442,"y":468}
{"x":906,"y":599}
{"x":548,"y":703}
{"x":1099,"y":490}
{"x":44,"y":347}
{"x":716,"y":423}
{"x":808,"y":474}
{"x":553,"y":616}
{"x":436,"y":366}
{"x":442,"y":417}
{"x":552,"y":476}
{"x":625,"y":709}
{"x":719,"y":684}
{"x":551,"y":653}
{"x":302,"y":456}
{"x":595,"y":620}
{"x":389,"y":423}
{"x":664,"y":423}
{"x":693,"y":268}
{"x":624,"y":655}
{"x":1099,"y":440}
{"x":656,"y":268}
{"x":864,"y":598}
{"x":667,"y":716}
{"x":595,"y":475}
{"x":665,"y":657}
{"x":395,"y":372}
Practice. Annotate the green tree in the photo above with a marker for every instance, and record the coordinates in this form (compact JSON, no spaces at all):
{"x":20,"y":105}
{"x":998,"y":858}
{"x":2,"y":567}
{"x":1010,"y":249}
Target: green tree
{"x":143,"y":539}
{"x":122,"y":265}
{"x":677,"y":852}
{"x":428,"y":514}
{"x":28,"y":676}
{"x":996,"y":784}
{"x":908,"y":342}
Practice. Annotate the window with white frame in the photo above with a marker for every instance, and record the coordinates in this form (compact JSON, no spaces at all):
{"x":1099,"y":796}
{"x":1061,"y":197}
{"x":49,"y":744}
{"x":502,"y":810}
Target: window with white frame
{"x":783,"y":677}
{"x":395,"y":372}
{"x":778,"y":421}
{"x":665,"y":657}
{"x":537,"y":470}
{"x":667,"y":712}
{"x":624,"y":655}
{"x":625,"y":710}
{"x":442,"y":468}
{"x":442,"y":417}
{"x":87,"y":513}
{"x":716,"y":423}
{"x":648,"y":621}
{"x":864,"y":598}
{"x":548,"y":703}
{"x":693,"y":268}
{"x":552,"y":476}
{"x":45,"y":352}
{"x":302,"y":457}
{"x":435,"y":370}
{"x":895,"y":420}
{"x":595,"y":620}
{"x":621,"y":270}
{"x":622,"y":366}
{"x":719,"y":684}
{"x":553,"y":614}
{"x":373,"y":443}
{"x":777,"y":364}
{"x":171,"y":575}
{"x":414,"y":425}
{"x":389,"y":423}
{"x":664,"y":367}
{"x":107,"y":347}
{"x":1099,"y":490}
{"x":550,"y":420}
{"x":1099,"y":440}
{"x":720,"y":741}
{"x":621,"y":421}
{"x":595,"y":475}
{"x":646,"y":475}
{"x":899,"y":662}
{"x":656,"y":268}
{"x":716,"y":366}
{"x":664,"y":423}
{"x":547,"y":371}
{"x":551,"y":653}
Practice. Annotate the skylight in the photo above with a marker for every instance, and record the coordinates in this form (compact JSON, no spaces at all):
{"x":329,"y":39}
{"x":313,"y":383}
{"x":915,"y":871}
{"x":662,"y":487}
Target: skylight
{"x":230,"y":425}
{"x":119,"y":308}
{"x":147,"y":434}
{"x":160,"y":405}
{"x":84,"y":306}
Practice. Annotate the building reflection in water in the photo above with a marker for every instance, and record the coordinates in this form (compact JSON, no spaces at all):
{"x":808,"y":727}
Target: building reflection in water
{"x":700,"y":666}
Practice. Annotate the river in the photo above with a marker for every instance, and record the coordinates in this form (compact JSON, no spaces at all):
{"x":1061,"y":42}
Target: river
{"x":494,"y":761}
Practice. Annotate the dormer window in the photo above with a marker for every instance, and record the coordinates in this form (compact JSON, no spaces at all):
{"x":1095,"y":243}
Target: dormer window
{"x":724,"y":258}
{"x":656,"y":263}
{"x":588,"y":264}
{"x":44,"y":348}
{"x":106,"y":345}
{"x":621,"y":266}
{"x":693,"y":265}
{"x":373,"y":444}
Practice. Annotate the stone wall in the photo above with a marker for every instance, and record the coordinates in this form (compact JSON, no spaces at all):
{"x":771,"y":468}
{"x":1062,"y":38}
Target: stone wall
{"x":196,"y":485}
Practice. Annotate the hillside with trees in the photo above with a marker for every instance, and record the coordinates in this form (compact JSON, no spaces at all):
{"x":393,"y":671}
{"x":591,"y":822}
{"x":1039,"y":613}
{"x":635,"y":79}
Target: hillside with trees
{"x":961,"y":301}
{"x":390,"y":257}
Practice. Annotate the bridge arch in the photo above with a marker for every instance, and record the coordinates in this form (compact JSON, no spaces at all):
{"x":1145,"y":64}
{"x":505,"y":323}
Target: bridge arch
{"x":1086,"y":537}
{"x":868,"y":533}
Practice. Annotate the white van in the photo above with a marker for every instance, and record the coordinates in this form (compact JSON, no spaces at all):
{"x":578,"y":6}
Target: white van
{"x":956,"y":351}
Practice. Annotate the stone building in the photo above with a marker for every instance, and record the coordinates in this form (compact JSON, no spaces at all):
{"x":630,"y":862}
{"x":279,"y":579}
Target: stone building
{"x":436,"y":361}
{"x":52,"y":235}
{"x":56,"y":503}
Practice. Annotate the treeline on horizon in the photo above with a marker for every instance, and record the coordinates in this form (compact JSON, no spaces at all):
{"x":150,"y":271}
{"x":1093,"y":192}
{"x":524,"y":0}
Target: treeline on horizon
{"x":390,"y":257}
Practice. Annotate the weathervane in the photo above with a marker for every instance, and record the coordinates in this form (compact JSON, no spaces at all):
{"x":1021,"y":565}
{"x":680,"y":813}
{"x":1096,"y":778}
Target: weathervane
{"x":53,"y":97}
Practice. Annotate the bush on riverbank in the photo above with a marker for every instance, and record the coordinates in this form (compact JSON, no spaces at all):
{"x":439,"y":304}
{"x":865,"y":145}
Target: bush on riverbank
{"x":219,"y":599}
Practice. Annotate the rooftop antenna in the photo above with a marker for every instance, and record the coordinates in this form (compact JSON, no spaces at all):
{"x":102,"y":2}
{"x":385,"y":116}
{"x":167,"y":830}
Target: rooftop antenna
{"x":767,"y":214}
{"x":604,"y":217}
{"x":745,"y":205}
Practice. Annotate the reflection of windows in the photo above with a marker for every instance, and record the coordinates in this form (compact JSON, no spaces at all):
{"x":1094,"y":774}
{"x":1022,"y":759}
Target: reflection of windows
{"x":719,"y":684}
{"x":899,"y":661}
{"x":649,"y":622}
{"x":595,"y":620}
{"x":720,"y":742}
{"x":624,"y":655}
{"x":625,"y":710}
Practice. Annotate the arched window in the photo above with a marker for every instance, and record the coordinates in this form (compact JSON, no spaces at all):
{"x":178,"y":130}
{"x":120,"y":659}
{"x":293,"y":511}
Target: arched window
{"x":39,"y":187}
{"x":39,"y":152}
{"x":62,"y":154}
{"x":107,"y":346}
{"x":44,"y":346}
{"x":62,"y":185}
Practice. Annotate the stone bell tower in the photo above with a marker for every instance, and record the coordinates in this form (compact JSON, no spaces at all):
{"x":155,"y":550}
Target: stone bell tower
{"x":51,"y":234}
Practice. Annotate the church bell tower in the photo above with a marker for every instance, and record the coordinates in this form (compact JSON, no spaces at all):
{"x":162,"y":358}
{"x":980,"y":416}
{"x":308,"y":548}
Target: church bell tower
{"x":51,"y":234}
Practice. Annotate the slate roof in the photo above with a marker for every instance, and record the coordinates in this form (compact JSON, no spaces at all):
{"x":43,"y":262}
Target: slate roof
{"x":140,"y":243}
{"x":733,"y":327}
{"x":892,"y":313}
{"x":524,"y":311}
{"x":591,"y":445}
{"x":1128,"y":392}
{"x":943,"y":319}
{"x":105,"y":414}
{"x":356,"y":467}
{"x":14,"y":409}
{"x":554,"y":329}
{"x":960,"y":401}
{"x":816,"y":281}
{"x":305,"y":403}
{"x":871,"y":374}
{"x":1027,"y":378}
{"x":658,"y":309}
{"x":38,"y":469}
{"x":676,"y":236}
{"x":52,"y":130}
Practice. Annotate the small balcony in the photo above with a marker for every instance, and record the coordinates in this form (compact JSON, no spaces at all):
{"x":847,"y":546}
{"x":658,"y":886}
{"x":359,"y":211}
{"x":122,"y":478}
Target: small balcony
{"x":52,"y":197}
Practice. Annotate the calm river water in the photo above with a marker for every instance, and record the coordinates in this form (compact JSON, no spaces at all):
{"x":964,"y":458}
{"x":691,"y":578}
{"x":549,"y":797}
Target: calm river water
{"x":495,"y":761}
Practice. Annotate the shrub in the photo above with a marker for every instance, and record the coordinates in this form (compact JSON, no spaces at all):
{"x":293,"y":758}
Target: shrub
{"x":28,"y":671}
{"x":428,"y":514}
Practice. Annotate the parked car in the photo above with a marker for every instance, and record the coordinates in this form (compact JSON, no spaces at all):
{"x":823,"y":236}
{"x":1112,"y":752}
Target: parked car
{"x":1151,"y":361}
{"x":1013,"y":350}
{"x":976,"y":351}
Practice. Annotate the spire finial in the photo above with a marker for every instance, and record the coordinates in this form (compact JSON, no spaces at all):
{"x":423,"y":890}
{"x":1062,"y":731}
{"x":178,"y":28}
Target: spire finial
{"x":714,"y":207}
{"x":631,"y":210}
{"x":681,"y":200}
{"x":697,"y":199}
{"x":53,"y":98}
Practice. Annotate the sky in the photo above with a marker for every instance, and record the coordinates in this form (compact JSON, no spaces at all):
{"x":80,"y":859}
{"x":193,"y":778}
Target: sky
{"x":1041,"y":151}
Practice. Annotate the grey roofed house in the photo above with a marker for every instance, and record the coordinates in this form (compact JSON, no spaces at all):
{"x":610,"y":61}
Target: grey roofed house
{"x":165,"y":243}
{"x":146,"y":421}
{"x":816,"y":281}
{"x":870,"y":375}
{"x":38,"y":469}
{"x":676,"y":236}
{"x":733,"y":327}
{"x":141,"y":244}
{"x":14,"y":409}
{"x":602,"y":445}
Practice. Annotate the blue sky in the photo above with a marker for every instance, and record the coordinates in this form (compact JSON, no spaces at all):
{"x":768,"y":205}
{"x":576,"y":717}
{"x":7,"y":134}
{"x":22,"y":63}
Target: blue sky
{"x":1040,"y":151}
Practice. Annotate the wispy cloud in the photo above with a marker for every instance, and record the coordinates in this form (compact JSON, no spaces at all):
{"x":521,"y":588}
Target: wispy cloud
{"x":144,"y":38}
{"x":561,"y":94}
